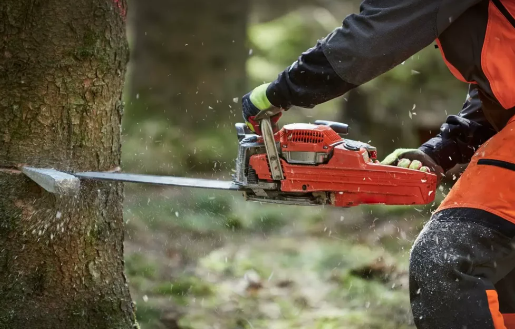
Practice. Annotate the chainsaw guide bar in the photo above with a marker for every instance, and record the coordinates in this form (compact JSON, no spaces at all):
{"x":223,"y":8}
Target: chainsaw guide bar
{"x":161,"y":180}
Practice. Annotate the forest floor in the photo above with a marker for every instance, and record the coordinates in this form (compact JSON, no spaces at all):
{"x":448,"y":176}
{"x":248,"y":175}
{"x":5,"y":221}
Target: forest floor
{"x":210,"y":260}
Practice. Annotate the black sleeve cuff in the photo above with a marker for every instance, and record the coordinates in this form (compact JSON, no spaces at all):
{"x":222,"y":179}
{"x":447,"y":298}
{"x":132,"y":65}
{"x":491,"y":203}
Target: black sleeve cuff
{"x":444,"y":152}
{"x":461,"y":135}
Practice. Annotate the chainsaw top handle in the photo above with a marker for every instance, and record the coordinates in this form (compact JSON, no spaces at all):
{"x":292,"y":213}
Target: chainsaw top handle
{"x":338,"y":127}
{"x":267,"y":113}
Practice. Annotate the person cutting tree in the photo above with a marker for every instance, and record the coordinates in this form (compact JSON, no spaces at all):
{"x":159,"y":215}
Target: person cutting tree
{"x":462,"y":265}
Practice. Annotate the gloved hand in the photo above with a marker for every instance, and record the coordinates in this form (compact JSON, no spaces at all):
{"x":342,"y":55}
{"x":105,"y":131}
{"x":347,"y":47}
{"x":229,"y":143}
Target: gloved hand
{"x":413,"y":159}
{"x":254,"y":102}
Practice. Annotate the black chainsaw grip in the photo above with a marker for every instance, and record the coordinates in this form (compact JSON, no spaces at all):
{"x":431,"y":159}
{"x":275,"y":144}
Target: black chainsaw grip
{"x":338,"y":127}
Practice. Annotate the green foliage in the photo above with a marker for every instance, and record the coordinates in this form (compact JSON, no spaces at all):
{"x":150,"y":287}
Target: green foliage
{"x":146,"y":313}
{"x":137,"y":265}
{"x":276,"y":45}
{"x":156,"y":147}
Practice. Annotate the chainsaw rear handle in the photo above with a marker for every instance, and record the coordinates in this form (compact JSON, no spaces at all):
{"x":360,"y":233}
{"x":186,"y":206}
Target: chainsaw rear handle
{"x":338,"y":127}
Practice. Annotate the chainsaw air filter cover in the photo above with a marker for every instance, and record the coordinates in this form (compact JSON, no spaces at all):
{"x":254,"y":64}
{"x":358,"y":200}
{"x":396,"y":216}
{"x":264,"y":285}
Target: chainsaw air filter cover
{"x":307,"y":143}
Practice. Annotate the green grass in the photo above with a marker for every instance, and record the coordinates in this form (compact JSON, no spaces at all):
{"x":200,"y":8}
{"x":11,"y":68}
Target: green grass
{"x":184,"y":286}
{"x":308,"y":277}
{"x":326,"y":266}
{"x":216,"y":211}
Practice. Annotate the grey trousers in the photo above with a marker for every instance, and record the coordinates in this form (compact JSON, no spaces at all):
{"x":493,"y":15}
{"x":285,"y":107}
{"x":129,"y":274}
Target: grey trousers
{"x":462,"y":272}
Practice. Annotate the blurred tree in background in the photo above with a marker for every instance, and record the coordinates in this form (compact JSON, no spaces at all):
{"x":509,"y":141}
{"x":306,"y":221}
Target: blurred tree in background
{"x":188,"y":60}
{"x":186,"y":71}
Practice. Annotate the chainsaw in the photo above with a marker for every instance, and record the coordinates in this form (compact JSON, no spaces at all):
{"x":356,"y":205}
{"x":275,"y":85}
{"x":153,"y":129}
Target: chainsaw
{"x":305,"y":164}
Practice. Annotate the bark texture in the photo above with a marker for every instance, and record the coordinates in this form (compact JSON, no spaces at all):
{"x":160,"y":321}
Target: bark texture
{"x":62,"y":66}
{"x":188,"y":60}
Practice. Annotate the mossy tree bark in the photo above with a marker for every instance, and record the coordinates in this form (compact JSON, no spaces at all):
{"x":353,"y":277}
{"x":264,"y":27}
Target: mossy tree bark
{"x":188,"y":61}
{"x":62,"y":66}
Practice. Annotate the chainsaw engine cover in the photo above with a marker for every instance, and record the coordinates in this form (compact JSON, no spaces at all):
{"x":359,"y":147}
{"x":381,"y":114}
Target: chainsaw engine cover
{"x":321,"y":167}
{"x":307,"y":144}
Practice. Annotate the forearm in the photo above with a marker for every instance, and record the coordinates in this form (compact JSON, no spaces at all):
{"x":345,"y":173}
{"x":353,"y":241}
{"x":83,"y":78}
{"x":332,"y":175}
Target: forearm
{"x":380,"y":37}
{"x":310,"y":81}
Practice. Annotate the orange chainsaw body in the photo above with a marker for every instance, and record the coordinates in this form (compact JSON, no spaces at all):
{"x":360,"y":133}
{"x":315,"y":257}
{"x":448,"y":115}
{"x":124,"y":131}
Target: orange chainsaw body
{"x":317,"y":161}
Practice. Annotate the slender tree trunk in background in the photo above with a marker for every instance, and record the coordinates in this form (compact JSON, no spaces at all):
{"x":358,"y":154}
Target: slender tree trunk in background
{"x":188,"y":61}
{"x":62,"y":66}
{"x":356,"y":113}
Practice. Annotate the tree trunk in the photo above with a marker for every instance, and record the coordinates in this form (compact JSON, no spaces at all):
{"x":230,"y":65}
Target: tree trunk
{"x":62,"y":65}
{"x":188,"y":61}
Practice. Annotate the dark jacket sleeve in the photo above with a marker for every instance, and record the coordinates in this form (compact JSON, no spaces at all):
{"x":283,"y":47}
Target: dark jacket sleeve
{"x":380,"y":37}
{"x":461,"y":135}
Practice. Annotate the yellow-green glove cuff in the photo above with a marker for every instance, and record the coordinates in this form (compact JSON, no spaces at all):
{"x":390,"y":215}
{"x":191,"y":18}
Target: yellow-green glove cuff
{"x":259,"y":99}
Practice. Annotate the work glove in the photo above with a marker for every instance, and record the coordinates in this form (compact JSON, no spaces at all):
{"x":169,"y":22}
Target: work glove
{"x":255,"y":102}
{"x":414,"y":159}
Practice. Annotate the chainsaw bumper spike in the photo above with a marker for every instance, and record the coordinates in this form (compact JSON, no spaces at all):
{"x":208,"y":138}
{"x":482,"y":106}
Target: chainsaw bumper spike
{"x":53,"y":181}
